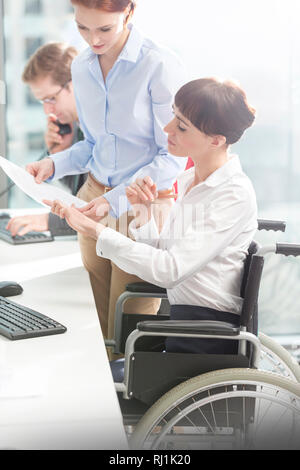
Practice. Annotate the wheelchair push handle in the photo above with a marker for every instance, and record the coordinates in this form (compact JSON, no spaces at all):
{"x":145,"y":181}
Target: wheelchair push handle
{"x":287,"y":249}
{"x":275,"y":225}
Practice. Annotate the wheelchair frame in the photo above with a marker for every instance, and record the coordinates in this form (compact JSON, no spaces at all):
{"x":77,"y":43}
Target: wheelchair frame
{"x":273,"y":354}
{"x":205,"y":329}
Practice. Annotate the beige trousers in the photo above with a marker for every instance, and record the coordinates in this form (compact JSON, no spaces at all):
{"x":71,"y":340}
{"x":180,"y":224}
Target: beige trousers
{"x":107,"y":280}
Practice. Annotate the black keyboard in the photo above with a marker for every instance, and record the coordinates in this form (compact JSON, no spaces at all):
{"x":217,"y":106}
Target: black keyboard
{"x":30,"y":237}
{"x":19,"y":322}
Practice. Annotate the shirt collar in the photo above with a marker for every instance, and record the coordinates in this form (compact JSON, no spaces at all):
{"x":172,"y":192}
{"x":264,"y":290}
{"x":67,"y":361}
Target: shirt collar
{"x":229,"y":169}
{"x":131,"y":50}
{"x":226,"y":171}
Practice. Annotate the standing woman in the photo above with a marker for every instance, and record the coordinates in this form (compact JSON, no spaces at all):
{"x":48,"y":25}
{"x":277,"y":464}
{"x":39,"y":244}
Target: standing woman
{"x":124,"y":85}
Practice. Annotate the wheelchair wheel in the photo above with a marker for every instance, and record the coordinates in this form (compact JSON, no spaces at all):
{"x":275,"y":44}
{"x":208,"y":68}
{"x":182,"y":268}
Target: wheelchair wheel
{"x":224,"y":409}
{"x":275,"y":358}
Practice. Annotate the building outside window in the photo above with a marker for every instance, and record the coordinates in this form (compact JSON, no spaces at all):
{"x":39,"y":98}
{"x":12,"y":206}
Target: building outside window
{"x":33,"y":6}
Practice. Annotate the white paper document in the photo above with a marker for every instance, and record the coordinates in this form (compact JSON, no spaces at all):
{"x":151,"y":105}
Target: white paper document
{"x":36,"y":191}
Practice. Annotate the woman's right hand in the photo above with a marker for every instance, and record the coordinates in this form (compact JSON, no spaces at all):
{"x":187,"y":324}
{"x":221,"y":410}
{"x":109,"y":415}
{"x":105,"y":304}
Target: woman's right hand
{"x":41,"y":170}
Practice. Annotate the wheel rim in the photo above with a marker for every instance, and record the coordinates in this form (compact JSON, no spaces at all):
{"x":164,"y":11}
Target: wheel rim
{"x":274,"y":358}
{"x":275,"y":422}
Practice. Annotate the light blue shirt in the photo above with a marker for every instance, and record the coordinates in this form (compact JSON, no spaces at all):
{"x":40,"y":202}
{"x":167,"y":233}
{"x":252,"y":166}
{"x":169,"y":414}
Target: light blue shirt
{"x":123,"y":117}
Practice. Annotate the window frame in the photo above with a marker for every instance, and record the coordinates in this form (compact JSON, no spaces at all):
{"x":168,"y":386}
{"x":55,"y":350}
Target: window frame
{"x":3,"y":148}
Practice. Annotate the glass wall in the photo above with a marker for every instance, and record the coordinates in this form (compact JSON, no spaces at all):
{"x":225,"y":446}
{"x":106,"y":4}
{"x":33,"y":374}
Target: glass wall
{"x":254,"y":42}
{"x":3,"y":194}
{"x":27,"y":25}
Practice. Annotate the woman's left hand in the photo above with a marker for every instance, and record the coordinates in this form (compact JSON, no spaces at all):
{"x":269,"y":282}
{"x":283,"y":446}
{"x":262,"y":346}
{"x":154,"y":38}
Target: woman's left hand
{"x":78,"y":221}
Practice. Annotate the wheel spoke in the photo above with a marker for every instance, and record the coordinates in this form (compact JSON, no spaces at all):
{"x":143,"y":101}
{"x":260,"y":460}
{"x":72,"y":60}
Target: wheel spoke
{"x":206,"y":420}
{"x":220,"y":415}
{"x":213,"y":411}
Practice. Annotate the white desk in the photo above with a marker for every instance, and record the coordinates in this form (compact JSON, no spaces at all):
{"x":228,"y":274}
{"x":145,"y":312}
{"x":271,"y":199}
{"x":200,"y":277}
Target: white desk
{"x":56,"y":392}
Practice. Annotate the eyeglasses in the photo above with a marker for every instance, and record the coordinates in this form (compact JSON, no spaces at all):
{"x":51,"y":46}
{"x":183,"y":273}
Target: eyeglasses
{"x":52,"y":100}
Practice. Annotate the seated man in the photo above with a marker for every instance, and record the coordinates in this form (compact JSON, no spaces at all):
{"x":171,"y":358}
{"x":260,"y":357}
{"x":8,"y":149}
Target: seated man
{"x":48,"y":74}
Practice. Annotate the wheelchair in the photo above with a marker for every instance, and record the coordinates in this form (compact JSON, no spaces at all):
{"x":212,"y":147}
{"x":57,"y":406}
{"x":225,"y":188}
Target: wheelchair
{"x":208,"y":401}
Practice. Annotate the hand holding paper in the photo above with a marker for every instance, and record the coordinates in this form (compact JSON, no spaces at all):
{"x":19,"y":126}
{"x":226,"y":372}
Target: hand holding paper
{"x":38,"y":192}
{"x":41,"y":170}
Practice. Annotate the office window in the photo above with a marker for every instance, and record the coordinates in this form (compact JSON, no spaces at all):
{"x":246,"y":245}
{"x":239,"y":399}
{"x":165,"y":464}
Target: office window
{"x":28,"y":24}
{"x":33,"y":7}
{"x":30,"y":99}
{"x":35,"y":141}
{"x":254,"y":42}
{"x":31,"y":45}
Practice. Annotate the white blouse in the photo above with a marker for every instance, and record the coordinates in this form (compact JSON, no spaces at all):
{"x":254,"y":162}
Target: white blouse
{"x":199,"y":254}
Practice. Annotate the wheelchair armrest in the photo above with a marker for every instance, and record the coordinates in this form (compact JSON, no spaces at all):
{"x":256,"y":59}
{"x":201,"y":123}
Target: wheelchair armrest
{"x":189,"y":327}
{"x":145,"y":287}
{"x":275,"y":225}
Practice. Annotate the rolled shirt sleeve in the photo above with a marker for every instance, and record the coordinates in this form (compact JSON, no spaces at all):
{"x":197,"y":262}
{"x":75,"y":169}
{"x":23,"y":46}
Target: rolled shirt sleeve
{"x":168,"y":77}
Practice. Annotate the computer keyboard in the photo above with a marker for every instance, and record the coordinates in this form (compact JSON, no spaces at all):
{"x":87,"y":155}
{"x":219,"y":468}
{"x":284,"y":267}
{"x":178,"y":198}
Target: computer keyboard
{"x":19,"y":322}
{"x":30,"y":237}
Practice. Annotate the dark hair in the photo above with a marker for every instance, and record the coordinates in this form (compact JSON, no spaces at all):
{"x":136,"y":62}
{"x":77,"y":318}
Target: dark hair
{"x":107,"y":5}
{"x":216,"y":107}
{"x":52,"y":59}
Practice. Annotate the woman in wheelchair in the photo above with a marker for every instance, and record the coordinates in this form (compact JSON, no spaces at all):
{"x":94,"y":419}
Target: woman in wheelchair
{"x":212,"y":398}
{"x":199,"y":253}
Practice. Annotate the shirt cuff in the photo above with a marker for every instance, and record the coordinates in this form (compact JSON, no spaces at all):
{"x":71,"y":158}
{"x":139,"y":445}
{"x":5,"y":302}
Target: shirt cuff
{"x":147,"y":233}
{"x":110,"y":242}
{"x":61,"y":165}
{"x":118,"y":201}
